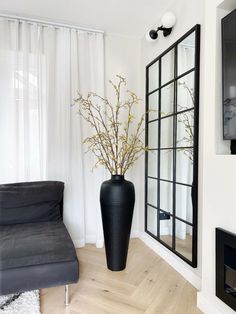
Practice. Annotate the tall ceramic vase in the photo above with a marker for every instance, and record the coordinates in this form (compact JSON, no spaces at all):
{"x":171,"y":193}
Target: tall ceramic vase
{"x":117,"y":197}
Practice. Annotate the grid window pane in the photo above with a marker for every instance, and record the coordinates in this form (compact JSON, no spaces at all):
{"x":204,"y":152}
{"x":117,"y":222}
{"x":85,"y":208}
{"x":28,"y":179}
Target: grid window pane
{"x":185,"y":129}
{"x":152,"y":220}
{"x":183,"y":239}
{"x":152,"y":192}
{"x":167,"y":67}
{"x":184,"y":206}
{"x":166,"y":231}
{"x":186,"y":54}
{"x":153,"y":106}
{"x":153,"y":76}
{"x":185,"y":92}
{"x":166,"y":132}
{"x":153,"y":134}
{"x":166,"y":196}
{"x":167,"y":100}
{"x":184,"y":165}
{"x":166,"y":160}
{"x":152,"y":163}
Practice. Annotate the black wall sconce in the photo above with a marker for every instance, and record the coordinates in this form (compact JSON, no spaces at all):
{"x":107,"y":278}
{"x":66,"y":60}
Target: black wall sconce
{"x":168,"y":21}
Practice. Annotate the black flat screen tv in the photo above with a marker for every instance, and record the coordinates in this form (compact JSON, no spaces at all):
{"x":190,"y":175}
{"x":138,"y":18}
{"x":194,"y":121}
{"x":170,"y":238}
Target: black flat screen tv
{"x":229,"y":75}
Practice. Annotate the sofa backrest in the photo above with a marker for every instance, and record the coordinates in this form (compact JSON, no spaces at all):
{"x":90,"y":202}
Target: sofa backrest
{"x":31,"y":202}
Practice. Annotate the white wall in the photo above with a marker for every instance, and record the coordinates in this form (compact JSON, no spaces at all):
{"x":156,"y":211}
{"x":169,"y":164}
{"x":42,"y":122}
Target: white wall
{"x":188,"y":13}
{"x":219,"y":169}
{"x":122,"y":57}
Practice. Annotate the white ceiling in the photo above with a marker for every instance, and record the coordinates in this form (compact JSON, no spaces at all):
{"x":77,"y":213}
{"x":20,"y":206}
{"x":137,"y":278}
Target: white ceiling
{"x":124,"y":17}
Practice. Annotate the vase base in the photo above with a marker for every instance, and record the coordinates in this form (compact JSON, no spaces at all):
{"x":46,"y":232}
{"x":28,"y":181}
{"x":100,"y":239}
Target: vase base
{"x":116,"y":268}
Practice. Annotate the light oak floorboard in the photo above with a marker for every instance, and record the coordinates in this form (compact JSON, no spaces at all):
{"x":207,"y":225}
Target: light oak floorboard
{"x":148,"y":285}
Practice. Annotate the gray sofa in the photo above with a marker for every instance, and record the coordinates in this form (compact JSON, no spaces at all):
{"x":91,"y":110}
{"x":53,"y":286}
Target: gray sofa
{"x":36,"y":250}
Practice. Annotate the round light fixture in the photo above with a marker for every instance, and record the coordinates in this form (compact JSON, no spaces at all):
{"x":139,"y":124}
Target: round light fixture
{"x":168,"y":20}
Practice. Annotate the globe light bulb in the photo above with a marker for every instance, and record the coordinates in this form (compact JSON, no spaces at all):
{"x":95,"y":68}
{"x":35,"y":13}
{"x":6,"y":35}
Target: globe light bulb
{"x":168,"y":20}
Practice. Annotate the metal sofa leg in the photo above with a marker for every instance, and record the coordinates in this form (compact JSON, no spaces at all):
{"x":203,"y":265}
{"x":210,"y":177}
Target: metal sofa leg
{"x":67,"y":300}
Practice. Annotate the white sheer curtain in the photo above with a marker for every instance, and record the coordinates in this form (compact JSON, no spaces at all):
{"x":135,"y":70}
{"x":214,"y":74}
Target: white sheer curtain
{"x":41,"y":134}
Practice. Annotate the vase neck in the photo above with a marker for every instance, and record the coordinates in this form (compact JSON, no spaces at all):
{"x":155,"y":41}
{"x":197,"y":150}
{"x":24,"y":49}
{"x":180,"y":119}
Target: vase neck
{"x":117,"y":177}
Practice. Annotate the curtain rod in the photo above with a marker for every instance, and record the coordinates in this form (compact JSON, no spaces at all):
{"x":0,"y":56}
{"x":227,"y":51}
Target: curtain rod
{"x":49,"y":23}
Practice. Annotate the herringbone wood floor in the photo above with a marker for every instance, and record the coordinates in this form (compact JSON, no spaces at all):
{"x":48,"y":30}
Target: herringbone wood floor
{"x":148,"y":285}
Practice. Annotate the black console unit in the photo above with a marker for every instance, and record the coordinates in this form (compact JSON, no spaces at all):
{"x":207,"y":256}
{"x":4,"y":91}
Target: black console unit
{"x":226,"y":267}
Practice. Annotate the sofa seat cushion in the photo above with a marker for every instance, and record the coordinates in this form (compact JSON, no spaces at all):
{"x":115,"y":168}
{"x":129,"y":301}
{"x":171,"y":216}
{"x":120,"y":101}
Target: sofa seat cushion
{"x":32,"y":244}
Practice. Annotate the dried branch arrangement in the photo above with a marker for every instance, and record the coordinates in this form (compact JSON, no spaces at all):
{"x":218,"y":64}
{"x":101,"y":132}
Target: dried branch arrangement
{"x":116,"y":142}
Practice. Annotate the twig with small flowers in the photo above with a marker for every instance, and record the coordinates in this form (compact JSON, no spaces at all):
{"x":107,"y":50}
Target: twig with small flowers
{"x":186,"y":118}
{"x":113,"y":143}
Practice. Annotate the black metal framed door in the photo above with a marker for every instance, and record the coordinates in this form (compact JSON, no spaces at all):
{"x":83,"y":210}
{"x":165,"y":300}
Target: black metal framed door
{"x":171,"y":162}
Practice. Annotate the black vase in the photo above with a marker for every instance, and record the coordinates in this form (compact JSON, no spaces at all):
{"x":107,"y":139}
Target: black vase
{"x":117,"y":197}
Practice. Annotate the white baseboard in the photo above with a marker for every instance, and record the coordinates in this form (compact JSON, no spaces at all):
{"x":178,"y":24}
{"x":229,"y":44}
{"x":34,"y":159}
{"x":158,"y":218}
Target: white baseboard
{"x":91,"y":240}
{"x":211,"y":304}
{"x":181,"y":267}
{"x":99,"y":243}
{"x":135,"y":234}
{"x":78,"y":243}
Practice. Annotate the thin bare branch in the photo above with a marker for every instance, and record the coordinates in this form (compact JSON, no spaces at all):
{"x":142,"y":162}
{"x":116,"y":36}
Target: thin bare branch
{"x":113,"y":143}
